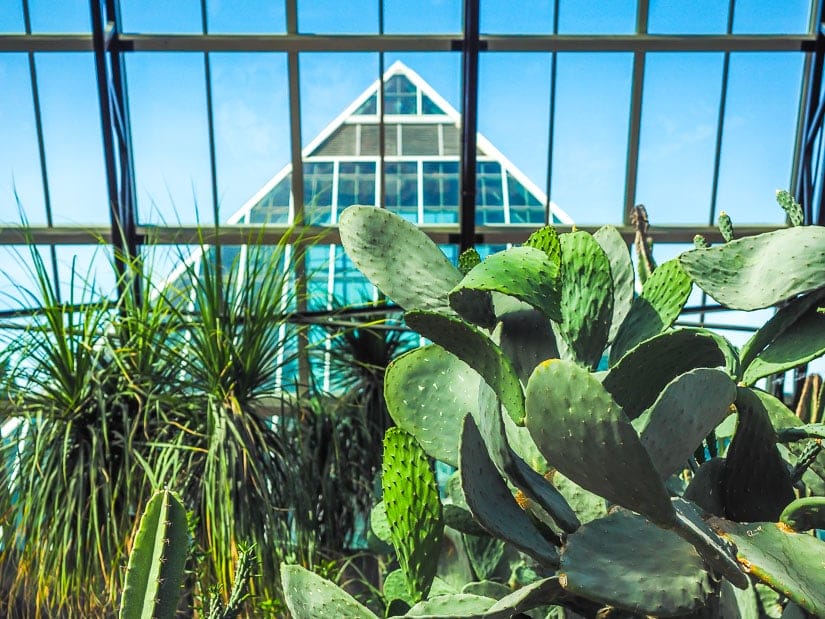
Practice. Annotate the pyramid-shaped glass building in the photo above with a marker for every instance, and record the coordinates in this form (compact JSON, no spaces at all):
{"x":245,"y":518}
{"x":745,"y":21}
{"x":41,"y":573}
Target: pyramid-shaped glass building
{"x":341,"y":167}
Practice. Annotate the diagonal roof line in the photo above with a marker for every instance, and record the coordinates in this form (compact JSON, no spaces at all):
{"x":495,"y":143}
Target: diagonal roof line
{"x":399,"y":68}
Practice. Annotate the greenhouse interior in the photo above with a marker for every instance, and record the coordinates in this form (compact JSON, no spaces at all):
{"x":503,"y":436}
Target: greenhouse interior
{"x":433,"y":308}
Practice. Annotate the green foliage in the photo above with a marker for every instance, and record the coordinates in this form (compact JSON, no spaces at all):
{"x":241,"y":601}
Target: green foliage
{"x":156,"y":563}
{"x":725,"y":226}
{"x":790,"y":206}
{"x":413,"y":510}
{"x":617,"y":438}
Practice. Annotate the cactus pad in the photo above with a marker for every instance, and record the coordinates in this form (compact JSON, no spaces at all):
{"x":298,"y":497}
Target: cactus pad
{"x":789,"y":204}
{"x":621,"y":271}
{"x":756,"y":481}
{"x":547,"y":240}
{"x":689,"y":407}
{"x":525,"y":273}
{"x":398,"y":258}
{"x":760,"y":271}
{"x":705,"y":489}
{"x":526,"y":338}
{"x":627,"y":562}
{"x":453,"y":605}
{"x":428,"y":391}
{"x":586,"y":297}
{"x":476,"y":350}
{"x":492,"y":503}
{"x":663,"y":296}
{"x":788,"y":562}
{"x":638,"y":379}
{"x":413,"y":510}
{"x":308,"y":596}
{"x":584,"y":434}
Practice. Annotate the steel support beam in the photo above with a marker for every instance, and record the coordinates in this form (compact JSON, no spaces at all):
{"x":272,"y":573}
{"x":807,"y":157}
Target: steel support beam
{"x":469,"y":124}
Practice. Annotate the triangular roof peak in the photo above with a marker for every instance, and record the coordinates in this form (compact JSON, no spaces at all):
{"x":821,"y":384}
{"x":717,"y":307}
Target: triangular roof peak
{"x":350,"y":114}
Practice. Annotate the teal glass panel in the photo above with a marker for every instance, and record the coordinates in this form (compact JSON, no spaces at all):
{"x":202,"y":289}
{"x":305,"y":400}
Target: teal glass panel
{"x":401,"y":186}
{"x":318,"y":192}
{"x":441,"y":192}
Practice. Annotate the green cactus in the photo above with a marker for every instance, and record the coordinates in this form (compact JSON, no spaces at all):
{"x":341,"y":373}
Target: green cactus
{"x":752,"y":272}
{"x":491,"y":501}
{"x":433,"y":380}
{"x":476,"y":350}
{"x":789,"y":204}
{"x":427,"y":276}
{"x":663,"y":296}
{"x":156,"y":563}
{"x":586,"y":299}
{"x":756,"y":481}
{"x":626,"y":561}
{"x":699,"y":242}
{"x":570,"y":416}
{"x":308,"y":596}
{"x":547,"y":240}
{"x":413,"y":510}
{"x":725,"y":226}
{"x":678,"y":420}
{"x":618,"y":437}
{"x":790,"y":563}
{"x":621,"y":272}
{"x":468,"y":259}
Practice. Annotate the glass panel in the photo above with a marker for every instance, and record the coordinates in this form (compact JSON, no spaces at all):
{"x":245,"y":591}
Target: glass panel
{"x":274,"y":206}
{"x":330,"y":82}
{"x":520,"y":84}
{"x":697,"y":17}
{"x":11,"y":17}
{"x":424,"y":16}
{"x":441,"y":192}
{"x":678,"y":140}
{"x":399,"y":95}
{"x":615,"y":17}
{"x":251,"y":108}
{"x":758,"y":140}
{"x":257,"y":16}
{"x":318,"y":181}
{"x":170,"y":141}
{"x":516,"y":16}
{"x":85,"y":272}
{"x":590,"y":150}
{"x":317,"y":269}
{"x":489,"y":193}
{"x":20,"y":177}
{"x":65,"y":16}
{"x":71,"y":132}
{"x":356,"y":184}
{"x":401,"y":186}
{"x":440,"y":70}
{"x":343,"y":141}
{"x":350,"y":287}
{"x":768,"y":17}
{"x":524,"y":206}
{"x":429,"y":107}
{"x":370,"y":106}
{"x":181,"y":16}
{"x":334,"y":16}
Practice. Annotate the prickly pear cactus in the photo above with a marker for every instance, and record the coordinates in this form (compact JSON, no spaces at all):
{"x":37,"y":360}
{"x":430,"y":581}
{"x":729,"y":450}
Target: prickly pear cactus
{"x":413,"y":510}
{"x":157,"y":561}
{"x":509,"y":393}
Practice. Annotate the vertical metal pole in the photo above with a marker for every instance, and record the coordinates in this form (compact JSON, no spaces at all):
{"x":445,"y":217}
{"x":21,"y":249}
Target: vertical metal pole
{"x":210,"y":121}
{"x":122,"y":124}
{"x":122,"y":254}
{"x":299,"y":253}
{"x":634,"y":127}
{"x":41,"y":149}
{"x":551,"y":137}
{"x":382,"y":129}
{"x":469,"y":127}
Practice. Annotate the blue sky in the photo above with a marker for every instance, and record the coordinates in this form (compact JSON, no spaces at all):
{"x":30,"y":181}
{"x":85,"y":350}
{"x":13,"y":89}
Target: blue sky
{"x":169,"y":125}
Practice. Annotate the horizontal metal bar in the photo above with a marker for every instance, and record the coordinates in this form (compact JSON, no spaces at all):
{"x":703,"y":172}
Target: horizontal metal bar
{"x":269,"y":235}
{"x":408,"y":43}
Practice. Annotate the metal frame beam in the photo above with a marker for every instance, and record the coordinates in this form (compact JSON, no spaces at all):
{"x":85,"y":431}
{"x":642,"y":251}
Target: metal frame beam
{"x":469,"y":125}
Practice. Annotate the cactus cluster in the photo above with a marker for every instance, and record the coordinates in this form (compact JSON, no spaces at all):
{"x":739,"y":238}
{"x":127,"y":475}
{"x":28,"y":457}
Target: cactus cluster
{"x":599,"y":481}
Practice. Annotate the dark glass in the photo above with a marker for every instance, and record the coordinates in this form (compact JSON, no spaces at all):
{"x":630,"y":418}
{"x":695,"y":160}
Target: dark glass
{"x":440,"y":191}
{"x":356,"y":183}
{"x":401,"y":187}
{"x":318,"y":191}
